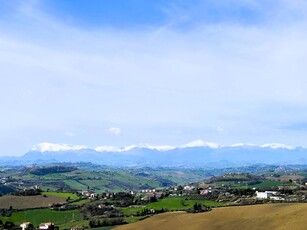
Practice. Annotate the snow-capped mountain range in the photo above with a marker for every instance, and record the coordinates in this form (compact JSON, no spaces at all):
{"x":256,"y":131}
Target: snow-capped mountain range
{"x":197,"y":153}
{"x":50,"y":147}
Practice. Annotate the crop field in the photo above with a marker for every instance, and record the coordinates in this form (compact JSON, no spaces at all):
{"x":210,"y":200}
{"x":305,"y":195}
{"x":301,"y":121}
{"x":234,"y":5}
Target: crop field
{"x":268,"y":184}
{"x":44,"y":215}
{"x":172,"y":204}
{"x":268,"y":216}
{"x":21,"y":202}
{"x":75,"y":185}
{"x":63,"y":195}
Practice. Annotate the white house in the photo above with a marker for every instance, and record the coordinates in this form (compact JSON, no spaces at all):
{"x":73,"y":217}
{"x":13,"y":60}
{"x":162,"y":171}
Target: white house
{"x":265,"y":195}
{"x":46,"y":226}
{"x":25,"y":225}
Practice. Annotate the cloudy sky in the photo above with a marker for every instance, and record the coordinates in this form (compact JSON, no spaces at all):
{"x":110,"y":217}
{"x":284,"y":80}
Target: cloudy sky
{"x":121,"y":72}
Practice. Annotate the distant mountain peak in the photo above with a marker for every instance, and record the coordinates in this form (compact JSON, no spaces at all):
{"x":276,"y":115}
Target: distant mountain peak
{"x":201,"y":143}
{"x":49,"y":147}
{"x":277,"y":146}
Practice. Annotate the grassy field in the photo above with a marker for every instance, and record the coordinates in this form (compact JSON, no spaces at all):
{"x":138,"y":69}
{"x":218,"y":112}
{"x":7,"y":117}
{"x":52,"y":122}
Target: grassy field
{"x":21,"y":202}
{"x":268,"y":216}
{"x":75,"y":185}
{"x":63,"y":195}
{"x":268,"y":184}
{"x":44,"y":215}
{"x":172,"y":204}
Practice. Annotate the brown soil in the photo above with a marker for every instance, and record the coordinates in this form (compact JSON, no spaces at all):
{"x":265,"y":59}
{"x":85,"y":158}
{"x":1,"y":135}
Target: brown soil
{"x":267,"y":216}
{"x":20,"y":202}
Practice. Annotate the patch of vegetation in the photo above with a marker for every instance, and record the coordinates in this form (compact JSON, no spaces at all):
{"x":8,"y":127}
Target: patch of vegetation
{"x":65,"y":195}
{"x":53,"y":169}
{"x":44,"y":215}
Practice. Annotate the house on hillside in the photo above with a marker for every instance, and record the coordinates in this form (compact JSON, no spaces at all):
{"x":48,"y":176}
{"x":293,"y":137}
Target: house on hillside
{"x":88,"y":194}
{"x":268,"y":195}
{"x":26,"y":226}
{"x":46,"y":226}
{"x":85,"y":193}
{"x":204,"y":192}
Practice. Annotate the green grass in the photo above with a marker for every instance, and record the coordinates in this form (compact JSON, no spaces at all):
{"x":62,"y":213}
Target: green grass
{"x":76,"y":224}
{"x":84,"y":201}
{"x":75,"y":185}
{"x":131,"y":211}
{"x":103,"y":228}
{"x":44,"y":215}
{"x":179,"y":203}
{"x":64,"y":195}
{"x":133,"y":219}
{"x":268,"y":184}
{"x":172,"y":204}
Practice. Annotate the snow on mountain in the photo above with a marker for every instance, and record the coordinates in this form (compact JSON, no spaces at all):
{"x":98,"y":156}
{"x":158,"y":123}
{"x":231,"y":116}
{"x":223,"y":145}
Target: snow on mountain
{"x":277,"y":146}
{"x":196,"y":153}
{"x":201,"y":143}
{"x":106,"y":149}
{"x":49,"y":147}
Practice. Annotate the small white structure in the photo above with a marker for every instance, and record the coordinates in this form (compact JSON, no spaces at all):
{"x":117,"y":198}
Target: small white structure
{"x":92,"y":195}
{"x":265,"y":195}
{"x":25,"y":225}
{"x":188,"y":188}
{"x":46,"y":226}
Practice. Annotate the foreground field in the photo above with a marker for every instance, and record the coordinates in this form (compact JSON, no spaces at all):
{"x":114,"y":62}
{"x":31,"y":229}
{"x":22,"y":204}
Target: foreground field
{"x":268,"y":216}
{"x":21,"y":202}
{"x":44,"y":215}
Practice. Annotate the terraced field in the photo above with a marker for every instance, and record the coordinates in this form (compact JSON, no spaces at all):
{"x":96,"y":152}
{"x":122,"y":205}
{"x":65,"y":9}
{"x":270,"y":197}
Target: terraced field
{"x":268,"y":216}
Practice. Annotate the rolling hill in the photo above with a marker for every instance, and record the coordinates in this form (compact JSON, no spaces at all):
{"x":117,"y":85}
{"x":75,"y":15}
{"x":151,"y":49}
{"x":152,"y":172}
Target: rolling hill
{"x":269,"y":216}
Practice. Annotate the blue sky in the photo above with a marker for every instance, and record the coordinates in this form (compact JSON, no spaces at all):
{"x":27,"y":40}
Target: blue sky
{"x":121,"y":72}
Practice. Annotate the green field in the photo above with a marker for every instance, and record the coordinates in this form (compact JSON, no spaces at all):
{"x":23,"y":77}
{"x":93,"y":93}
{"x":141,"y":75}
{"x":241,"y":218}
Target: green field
{"x":75,"y":185}
{"x":44,"y":215}
{"x":64,"y":195}
{"x":268,"y":184}
{"x":172,"y":204}
{"x":83,"y":201}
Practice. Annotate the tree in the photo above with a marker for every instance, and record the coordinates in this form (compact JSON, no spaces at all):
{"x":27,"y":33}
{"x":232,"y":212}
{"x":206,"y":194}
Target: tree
{"x":9,"y":224}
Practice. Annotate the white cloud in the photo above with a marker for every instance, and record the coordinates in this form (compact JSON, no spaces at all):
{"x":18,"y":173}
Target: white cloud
{"x":115,"y":131}
{"x":194,"y":80}
{"x":50,"y":147}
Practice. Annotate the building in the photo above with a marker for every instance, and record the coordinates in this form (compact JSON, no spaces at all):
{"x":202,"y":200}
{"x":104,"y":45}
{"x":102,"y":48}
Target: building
{"x":265,"y":195}
{"x":47,"y":226}
{"x":204,"y":192}
{"x":26,"y":225}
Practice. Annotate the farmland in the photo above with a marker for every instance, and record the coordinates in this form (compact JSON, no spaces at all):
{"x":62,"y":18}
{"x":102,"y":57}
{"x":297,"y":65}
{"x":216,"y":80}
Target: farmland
{"x":23,"y":202}
{"x":66,"y":195}
{"x":44,"y":215}
{"x":268,"y":216}
{"x":118,"y":196}
{"x":172,"y":204}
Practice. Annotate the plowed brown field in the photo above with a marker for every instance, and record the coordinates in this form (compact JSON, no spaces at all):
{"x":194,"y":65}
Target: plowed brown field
{"x":267,"y":216}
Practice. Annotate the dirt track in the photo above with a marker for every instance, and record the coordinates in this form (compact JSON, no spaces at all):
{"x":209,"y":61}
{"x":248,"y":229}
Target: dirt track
{"x":268,"y":216}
